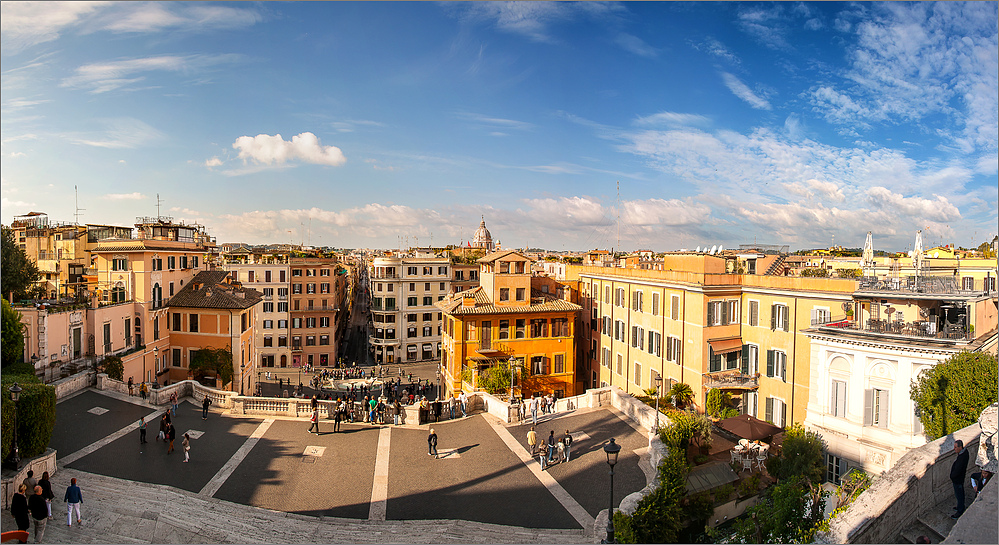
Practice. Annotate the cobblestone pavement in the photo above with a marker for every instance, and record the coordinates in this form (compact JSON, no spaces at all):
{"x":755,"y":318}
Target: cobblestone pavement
{"x":266,"y":479}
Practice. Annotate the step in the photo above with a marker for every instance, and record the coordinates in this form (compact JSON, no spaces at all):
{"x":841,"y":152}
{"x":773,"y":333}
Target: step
{"x":916,"y":529}
{"x":938,"y":518}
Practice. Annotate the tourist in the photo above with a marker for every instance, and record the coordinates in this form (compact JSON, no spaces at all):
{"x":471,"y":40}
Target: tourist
{"x":47,"y":492}
{"x":534,"y":410}
{"x":980,"y":479}
{"x":463,"y":399}
{"x":432,"y":443}
{"x":39,"y":513}
{"x":187,"y":447}
{"x":532,"y":440}
{"x":551,"y":445}
{"x":19,"y":509}
{"x":337,"y":415}
{"x":567,"y":439}
{"x":131,"y":385}
{"x":30,"y":482}
{"x":142,"y":430}
{"x":543,"y":455}
{"x":143,"y":390}
{"x":173,"y":403}
{"x":957,"y":472}
{"x":314,"y":421}
{"x":204,"y":407}
{"x":164,"y":420}
{"x":73,"y":499}
{"x":171,"y":435}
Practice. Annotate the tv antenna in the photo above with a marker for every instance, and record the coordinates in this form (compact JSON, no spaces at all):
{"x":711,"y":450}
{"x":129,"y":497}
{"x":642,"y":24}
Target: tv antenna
{"x":158,"y":202}
{"x":78,"y":209}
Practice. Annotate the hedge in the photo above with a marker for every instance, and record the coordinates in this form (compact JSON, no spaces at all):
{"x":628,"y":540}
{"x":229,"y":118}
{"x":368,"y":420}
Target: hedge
{"x":35,"y":412}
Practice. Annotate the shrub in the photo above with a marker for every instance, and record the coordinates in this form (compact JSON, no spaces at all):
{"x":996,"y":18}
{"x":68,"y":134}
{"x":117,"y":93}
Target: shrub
{"x":724,"y":492}
{"x":749,"y":485}
{"x":113,"y":367}
{"x":700,"y":459}
{"x":35,"y":412}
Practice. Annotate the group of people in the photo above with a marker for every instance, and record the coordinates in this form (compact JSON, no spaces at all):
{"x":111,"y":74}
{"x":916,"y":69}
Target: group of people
{"x":551,"y":450}
{"x":33,"y":502}
{"x":167,"y":434}
{"x":371,"y":410}
{"x":545,"y":404}
{"x":143,"y":389}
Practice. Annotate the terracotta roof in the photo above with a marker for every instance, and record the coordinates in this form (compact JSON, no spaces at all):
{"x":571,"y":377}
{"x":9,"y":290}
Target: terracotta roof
{"x":540,"y":302}
{"x":212,"y":289}
{"x":136,"y":245}
{"x":504,"y":253}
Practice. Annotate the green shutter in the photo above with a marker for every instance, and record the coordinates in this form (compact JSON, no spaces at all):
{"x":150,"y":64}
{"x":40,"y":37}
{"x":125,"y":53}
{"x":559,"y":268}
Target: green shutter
{"x":770,"y":363}
{"x":770,"y":410}
{"x":745,"y":359}
{"x":773,"y":317}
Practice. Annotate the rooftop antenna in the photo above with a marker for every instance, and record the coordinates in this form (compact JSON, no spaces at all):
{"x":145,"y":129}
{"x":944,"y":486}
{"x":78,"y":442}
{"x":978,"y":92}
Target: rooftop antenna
{"x":158,"y":201}
{"x":78,"y":209}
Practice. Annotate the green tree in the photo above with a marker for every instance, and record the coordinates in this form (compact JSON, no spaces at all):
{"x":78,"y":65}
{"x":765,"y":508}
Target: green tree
{"x":113,"y":367}
{"x":719,"y":404}
{"x":850,"y":273}
{"x":681,"y":395}
{"x":952,"y":394}
{"x":13,"y":336}
{"x":800,"y":455}
{"x":787,"y":512}
{"x":815,"y":272}
{"x":496,"y":379}
{"x":19,"y":272}
{"x":217,"y":361}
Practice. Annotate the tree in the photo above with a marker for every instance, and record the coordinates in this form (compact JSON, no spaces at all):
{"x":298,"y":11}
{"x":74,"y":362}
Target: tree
{"x":681,"y":394}
{"x":787,"y":512}
{"x":850,"y":273}
{"x":496,"y":379}
{"x":13,"y":336}
{"x":19,"y":273}
{"x":952,"y":394}
{"x":217,"y":361}
{"x":800,"y":455}
{"x":113,"y":367}
{"x":719,"y":404}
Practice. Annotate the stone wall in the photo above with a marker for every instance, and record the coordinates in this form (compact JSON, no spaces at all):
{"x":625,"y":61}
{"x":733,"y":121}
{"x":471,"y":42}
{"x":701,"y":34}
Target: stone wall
{"x":919,"y":480}
{"x":105,"y":382}
{"x":39,"y":464}
{"x":74,"y":383}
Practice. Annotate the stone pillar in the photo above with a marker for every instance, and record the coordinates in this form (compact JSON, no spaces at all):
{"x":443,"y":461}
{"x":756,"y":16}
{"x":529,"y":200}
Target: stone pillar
{"x":237,"y":406}
{"x":292,"y":406}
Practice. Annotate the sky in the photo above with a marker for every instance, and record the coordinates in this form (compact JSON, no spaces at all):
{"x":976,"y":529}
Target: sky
{"x":567,"y":126}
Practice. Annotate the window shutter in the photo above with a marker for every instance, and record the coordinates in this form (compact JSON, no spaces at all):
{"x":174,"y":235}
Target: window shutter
{"x":815,"y":314}
{"x":770,"y":363}
{"x":676,"y":308}
{"x":724,"y":312}
{"x":711,"y":314}
{"x":783,"y":366}
{"x":834,"y":398}
{"x":868,"y":407}
{"x":745,"y":359}
{"x":548,"y":362}
{"x":882,"y":408}
{"x":769,"y":417}
{"x":773,"y":317}
{"x":787,"y":318}
{"x":714,"y":359}
{"x":754,"y":313}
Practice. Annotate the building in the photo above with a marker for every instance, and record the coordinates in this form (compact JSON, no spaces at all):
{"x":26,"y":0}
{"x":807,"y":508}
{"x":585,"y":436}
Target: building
{"x":406,"y":326}
{"x":465,"y":276}
{"x":699,"y":323}
{"x":512,"y":317}
{"x":482,"y":239}
{"x":865,"y":356}
{"x":272,"y":332}
{"x":59,"y":250}
{"x":213,"y":311}
{"x":319,"y":310}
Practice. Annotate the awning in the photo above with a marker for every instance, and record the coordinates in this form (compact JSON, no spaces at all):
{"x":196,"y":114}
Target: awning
{"x":723,"y":346}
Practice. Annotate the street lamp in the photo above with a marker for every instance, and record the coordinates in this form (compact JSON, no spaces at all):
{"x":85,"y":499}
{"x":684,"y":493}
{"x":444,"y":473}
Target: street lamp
{"x":659,"y":383}
{"x":15,"y":394}
{"x":156,"y":358}
{"x":242,"y":373}
{"x":611,"y":449}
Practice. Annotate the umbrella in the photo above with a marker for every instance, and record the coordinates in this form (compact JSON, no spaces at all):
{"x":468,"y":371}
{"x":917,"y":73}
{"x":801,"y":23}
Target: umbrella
{"x":749,"y":427}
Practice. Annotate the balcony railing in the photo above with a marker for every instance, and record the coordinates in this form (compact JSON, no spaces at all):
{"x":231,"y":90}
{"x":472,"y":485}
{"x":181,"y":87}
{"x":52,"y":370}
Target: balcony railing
{"x":922,"y":329}
{"x":933,"y":285}
{"x":732,"y":379}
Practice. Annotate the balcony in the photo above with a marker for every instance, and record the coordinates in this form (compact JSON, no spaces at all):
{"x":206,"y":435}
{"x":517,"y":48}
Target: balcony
{"x":925,"y":285}
{"x":732,"y":380}
{"x":918,"y":329}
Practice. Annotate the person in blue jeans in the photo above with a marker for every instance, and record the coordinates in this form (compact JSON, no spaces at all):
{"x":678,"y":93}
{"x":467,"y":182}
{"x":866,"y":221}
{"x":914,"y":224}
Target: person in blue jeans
{"x":432,"y":443}
{"x":551,"y":445}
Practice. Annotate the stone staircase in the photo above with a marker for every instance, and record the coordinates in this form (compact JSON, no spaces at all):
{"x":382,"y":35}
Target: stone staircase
{"x":934,"y":523}
{"x":122,"y":511}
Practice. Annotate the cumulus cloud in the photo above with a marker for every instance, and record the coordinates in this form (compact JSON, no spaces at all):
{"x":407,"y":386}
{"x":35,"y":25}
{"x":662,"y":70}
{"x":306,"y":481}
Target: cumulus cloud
{"x":671,"y":212}
{"x":268,"y":150}
{"x":937,"y":209}
{"x":213,"y":162}
{"x":125,"y":196}
{"x":742,"y":91}
{"x":564,"y":211}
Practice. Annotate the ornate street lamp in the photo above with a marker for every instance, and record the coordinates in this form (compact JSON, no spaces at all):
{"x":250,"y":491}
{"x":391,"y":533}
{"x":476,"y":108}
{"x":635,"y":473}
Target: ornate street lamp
{"x":611,"y":449}
{"x":659,"y":383}
{"x":15,"y":394}
{"x":242,"y":373}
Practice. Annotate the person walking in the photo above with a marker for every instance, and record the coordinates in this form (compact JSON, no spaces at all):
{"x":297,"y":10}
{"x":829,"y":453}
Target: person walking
{"x":957,"y":473}
{"x":204,"y":407}
{"x":543,"y":455}
{"x":372,"y":403}
{"x":131,"y":385}
{"x":432,"y":443}
{"x":534,"y":410}
{"x":567,"y":439}
{"x":30,"y":482}
{"x":337,"y":416}
{"x":47,"y":492}
{"x":142,"y":430}
{"x":532,"y":441}
{"x":143,"y":390}
{"x":39,"y":513}
{"x":186,"y":444}
{"x":463,"y":399}
{"x":163,"y":428}
{"x":173,"y":403}
{"x":314,"y":421}
{"x":551,"y":445}
{"x":73,"y":499}
{"x":171,"y":435}
{"x":19,"y":509}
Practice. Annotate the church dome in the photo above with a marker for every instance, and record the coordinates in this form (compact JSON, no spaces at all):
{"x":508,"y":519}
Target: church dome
{"x":482,"y":238}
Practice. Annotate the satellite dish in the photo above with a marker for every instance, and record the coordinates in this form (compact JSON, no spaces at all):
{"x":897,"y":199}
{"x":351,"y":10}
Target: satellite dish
{"x":713,"y":250}
{"x":720,"y":248}
{"x":698,"y":249}
{"x":936,"y":254}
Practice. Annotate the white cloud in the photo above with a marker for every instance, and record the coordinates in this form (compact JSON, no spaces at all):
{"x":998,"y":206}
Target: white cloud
{"x":143,"y":17}
{"x":716,"y":48}
{"x":937,"y":209}
{"x":673,"y":212}
{"x":5,"y":202}
{"x":740,"y":90}
{"x":125,"y":196}
{"x":213,"y":162}
{"x":532,"y":19}
{"x":568,"y":211}
{"x":24,"y":24}
{"x":497,"y":122}
{"x":671,"y":118}
{"x":636,"y":45}
{"x":265,"y":149}
{"x":118,"y":133}
{"x":109,"y":76}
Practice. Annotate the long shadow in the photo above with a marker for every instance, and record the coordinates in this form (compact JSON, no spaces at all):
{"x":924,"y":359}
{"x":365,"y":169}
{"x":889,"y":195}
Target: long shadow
{"x":463,"y":450}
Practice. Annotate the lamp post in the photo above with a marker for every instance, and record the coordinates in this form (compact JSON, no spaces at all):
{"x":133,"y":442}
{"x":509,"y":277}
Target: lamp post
{"x":242,"y":373}
{"x":659,"y":383}
{"x":611,"y":449}
{"x":15,"y":394}
{"x":156,"y":358}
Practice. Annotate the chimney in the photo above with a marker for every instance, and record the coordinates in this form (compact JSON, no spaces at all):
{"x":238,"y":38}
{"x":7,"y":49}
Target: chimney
{"x":468,"y":300}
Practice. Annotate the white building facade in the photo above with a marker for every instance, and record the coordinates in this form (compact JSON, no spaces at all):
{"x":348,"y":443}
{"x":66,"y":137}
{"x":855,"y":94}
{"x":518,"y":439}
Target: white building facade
{"x":405,"y":324}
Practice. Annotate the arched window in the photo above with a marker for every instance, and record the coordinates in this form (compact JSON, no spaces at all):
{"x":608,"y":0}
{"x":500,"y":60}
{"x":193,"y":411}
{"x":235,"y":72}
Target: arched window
{"x":118,"y":293}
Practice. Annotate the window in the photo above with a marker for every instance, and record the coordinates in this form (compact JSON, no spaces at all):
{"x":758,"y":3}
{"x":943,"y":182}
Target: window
{"x":779,"y":317}
{"x":282,"y":324}
{"x":268,"y":324}
{"x":310,"y":340}
{"x":636,"y":300}
{"x":426,"y":286}
{"x":310,"y":322}
{"x":990,"y":283}
{"x":733,"y":312}
{"x":470,"y":331}
{"x":324,"y":340}
{"x":750,"y":402}
{"x":539,"y":328}
{"x":836,"y":468}
{"x":390,"y":303}
{"x":427,"y":301}
{"x":410,"y":332}
{"x":750,"y":359}
{"x":638,"y":374}
{"x":194,"y":261}
{"x":156,"y":328}
{"x":171,"y":262}
{"x":171,"y":289}
{"x":504,"y":329}
{"x":268,"y":307}
{"x":296,"y":323}
{"x":504,"y":294}
{"x":504,"y":267}
{"x":411,"y":317}
{"x":282,"y":292}
{"x":268,"y":293}
{"x":521,"y":294}
{"x":777,"y":364}
{"x":655,"y":304}
{"x":296,"y":272}
{"x":876,"y":407}
{"x":427,"y":316}
{"x":521,"y":328}
{"x":175,"y":360}
{"x":267,"y":360}
{"x":675,"y":307}
{"x":183,"y":262}
{"x":607,"y":290}
{"x":619,"y":297}
{"x":282,"y":307}
{"x":324,"y":287}
{"x":268,"y":340}
{"x":967,"y":283}
{"x":606,"y":360}
{"x":754,"y":313}
{"x":538,"y":365}
{"x":282,"y":341}
{"x":176,"y":321}
{"x":442,"y":271}
{"x":620,"y":363}
{"x":324,"y":321}
{"x":296,"y":288}
{"x":412,"y":271}
{"x":194,"y":323}
{"x":776,"y":412}
{"x":128,"y":332}
{"x":428,"y":331}
{"x":560,"y":327}
{"x":559,"y":363}
{"x":837,"y":399}
{"x":636,"y":336}
{"x":655,"y":343}
{"x":412,"y":301}
{"x":820,"y":316}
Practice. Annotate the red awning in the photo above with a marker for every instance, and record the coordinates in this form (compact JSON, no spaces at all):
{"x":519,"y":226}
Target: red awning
{"x":723,"y":346}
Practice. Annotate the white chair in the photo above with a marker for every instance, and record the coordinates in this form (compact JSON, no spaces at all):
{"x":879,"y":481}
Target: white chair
{"x":747,"y":462}
{"x":761,"y":456}
{"x":743,"y":442}
{"x":736,"y":455}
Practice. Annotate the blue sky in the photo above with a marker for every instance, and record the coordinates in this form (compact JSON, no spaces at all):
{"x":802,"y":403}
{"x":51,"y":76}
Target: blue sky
{"x":362,"y":124}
